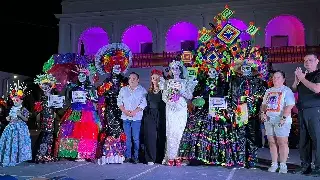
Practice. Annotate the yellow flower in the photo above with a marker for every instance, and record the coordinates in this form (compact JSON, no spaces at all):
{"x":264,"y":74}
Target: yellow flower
{"x":20,"y":93}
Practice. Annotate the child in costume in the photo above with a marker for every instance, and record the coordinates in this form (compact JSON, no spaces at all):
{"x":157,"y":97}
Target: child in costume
{"x":15,"y":142}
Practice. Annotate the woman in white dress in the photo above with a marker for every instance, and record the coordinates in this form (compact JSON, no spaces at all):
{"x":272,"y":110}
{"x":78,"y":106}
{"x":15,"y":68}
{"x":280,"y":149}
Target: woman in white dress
{"x":176,"y":92}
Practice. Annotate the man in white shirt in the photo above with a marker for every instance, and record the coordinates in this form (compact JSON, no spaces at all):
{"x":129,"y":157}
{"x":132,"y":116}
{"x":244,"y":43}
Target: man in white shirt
{"x":132,"y":101}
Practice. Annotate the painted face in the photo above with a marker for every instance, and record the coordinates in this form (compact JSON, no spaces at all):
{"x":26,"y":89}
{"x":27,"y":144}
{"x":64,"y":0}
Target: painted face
{"x":46,"y":87}
{"x":116,"y":69}
{"x":213,"y":73}
{"x":175,"y":70}
{"x":17,"y":101}
{"x":133,"y":80}
{"x":246,"y":70}
{"x":82,"y":77}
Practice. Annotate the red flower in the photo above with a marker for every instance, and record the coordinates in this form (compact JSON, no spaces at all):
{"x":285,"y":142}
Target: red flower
{"x":123,"y":137}
{"x":38,"y":107}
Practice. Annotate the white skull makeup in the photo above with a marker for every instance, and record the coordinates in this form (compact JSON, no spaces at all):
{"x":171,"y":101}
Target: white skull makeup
{"x":116,"y":69}
{"x":213,"y":73}
{"x":46,"y":87}
{"x":175,"y":68}
{"x":82,"y":77}
{"x":246,"y":70}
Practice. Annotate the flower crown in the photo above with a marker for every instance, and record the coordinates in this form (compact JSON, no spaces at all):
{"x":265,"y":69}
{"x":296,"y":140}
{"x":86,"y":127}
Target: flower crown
{"x":45,"y":78}
{"x":155,"y":71}
{"x":175,"y":63}
{"x":18,"y":90}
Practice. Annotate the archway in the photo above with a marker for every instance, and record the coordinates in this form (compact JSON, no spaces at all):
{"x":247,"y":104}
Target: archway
{"x":242,"y":26}
{"x":287,"y":27}
{"x":179,"y":33}
{"x":93,"y":39}
{"x":139,"y":38}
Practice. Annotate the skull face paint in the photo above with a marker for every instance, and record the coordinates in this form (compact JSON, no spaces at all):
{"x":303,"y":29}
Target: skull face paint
{"x":246,"y":70}
{"x":82,"y":77}
{"x":116,"y":69}
{"x":213,"y":73}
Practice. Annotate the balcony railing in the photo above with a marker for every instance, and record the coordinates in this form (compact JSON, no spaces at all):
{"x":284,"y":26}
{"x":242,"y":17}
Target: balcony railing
{"x":289,"y":54}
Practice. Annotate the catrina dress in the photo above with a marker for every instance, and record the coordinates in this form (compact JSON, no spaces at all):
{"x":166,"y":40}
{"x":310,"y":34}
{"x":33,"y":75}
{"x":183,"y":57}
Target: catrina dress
{"x":15,"y":142}
{"x":79,"y":129}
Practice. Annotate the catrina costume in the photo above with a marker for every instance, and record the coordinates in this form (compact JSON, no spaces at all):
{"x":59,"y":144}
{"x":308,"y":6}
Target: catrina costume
{"x":15,"y":142}
{"x":45,"y":144}
{"x":113,"y":59}
{"x":214,"y":132}
{"x":79,"y":127}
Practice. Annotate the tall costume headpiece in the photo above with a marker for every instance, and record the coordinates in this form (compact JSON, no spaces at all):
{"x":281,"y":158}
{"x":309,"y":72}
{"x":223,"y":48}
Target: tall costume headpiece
{"x":113,"y":54}
{"x":18,"y":90}
{"x":45,"y":79}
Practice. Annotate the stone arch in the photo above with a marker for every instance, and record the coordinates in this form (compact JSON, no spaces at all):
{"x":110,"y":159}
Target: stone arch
{"x":93,"y":39}
{"x":137,"y":35}
{"x":285,"y":25}
{"x":178,"y":33}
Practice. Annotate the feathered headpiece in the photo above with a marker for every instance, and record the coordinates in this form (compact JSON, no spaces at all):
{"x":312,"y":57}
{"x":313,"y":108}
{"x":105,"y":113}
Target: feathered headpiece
{"x":156,"y":71}
{"x":45,"y":79}
{"x":18,"y":90}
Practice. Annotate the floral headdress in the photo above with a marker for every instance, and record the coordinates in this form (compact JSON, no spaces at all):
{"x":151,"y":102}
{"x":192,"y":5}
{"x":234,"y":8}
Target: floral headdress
{"x":177,"y":63}
{"x":18,"y":90}
{"x":156,"y":71}
{"x":45,"y":78}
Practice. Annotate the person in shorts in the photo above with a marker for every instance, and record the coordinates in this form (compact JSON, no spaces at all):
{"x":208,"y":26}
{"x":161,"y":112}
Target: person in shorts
{"x":277,"y":104}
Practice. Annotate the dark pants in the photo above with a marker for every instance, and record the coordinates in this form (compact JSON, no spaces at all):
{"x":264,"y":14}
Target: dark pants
{"x":132,"y":130}
{"x":309,"y":120}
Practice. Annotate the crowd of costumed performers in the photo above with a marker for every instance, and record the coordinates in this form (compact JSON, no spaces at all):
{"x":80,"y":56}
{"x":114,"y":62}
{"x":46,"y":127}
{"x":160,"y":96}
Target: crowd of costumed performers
{"x":205,"y":111}
{"x":223,"y":126}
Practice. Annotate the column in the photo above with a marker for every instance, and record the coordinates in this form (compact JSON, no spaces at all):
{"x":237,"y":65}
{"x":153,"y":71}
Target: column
{"x":64,"y":38}
{"x":155,"y":37}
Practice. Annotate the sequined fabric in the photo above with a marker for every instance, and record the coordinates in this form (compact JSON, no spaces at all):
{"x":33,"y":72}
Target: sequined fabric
{"x":79,"y":130}
{"x":45,"y":142}
{"x":113,"y":147}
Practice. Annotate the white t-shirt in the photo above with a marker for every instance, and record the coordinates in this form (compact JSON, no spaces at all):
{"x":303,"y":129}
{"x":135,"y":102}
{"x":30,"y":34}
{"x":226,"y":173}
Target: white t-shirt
{"x":276,"y":99}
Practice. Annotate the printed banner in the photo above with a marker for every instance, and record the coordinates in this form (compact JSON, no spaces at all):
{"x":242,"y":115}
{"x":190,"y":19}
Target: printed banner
{"x":56,"y":101}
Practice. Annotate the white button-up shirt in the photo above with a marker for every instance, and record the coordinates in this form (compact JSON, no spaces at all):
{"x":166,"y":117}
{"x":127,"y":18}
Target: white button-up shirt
{"x":131,"y":100}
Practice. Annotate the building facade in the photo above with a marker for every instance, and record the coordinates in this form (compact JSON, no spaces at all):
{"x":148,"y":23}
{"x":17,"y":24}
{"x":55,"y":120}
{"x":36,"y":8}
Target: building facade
{"x":168,"y":26}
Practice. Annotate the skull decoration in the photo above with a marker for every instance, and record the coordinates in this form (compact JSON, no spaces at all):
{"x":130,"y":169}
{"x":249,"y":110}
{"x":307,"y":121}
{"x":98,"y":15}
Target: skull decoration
{"x":246,"y":69}
{"x":116,"y":69}
{"x":213,"y":74}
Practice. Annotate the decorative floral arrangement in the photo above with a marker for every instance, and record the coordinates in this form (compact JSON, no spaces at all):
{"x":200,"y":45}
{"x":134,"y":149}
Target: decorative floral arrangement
{"x":113,"y":54}
{"x":18,"y":90}
{"x":115,"y":146}
{"x":45,"y":78}
{"x":104,"y":88}
{"x":38,"y":107}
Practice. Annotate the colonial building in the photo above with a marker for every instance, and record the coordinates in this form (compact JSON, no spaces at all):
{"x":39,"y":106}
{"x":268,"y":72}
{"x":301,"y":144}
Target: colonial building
{"x":171,"y":25}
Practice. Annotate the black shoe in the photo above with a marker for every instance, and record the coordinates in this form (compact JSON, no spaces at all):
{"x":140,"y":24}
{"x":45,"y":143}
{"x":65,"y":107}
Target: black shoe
{"x":135,"y":161}
{"x":305,"y":170}
{"x":315,"y":173}
{"x":127,"y":160}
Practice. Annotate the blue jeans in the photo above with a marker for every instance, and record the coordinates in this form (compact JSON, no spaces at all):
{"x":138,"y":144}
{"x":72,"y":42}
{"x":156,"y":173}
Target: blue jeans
{"x":132,"y":130}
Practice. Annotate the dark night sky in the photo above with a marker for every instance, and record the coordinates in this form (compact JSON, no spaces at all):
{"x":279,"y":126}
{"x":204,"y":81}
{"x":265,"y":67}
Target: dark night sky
{"x":30,"y":35}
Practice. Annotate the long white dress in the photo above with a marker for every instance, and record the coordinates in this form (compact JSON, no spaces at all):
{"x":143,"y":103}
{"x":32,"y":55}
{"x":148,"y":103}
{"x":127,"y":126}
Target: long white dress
{"x":176,"y":113}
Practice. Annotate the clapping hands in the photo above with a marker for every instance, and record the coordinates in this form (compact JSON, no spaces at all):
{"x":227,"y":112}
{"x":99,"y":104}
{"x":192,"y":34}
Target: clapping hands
{"x":299,"y":75}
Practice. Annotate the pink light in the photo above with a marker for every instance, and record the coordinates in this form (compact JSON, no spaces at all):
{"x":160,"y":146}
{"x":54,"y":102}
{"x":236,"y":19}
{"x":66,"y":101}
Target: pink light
{"x":182,"y":31}
{"x":285,"y":25}
{"x":242,"y":26}
{"x":135,"y":35}
{"x":93,"y":38}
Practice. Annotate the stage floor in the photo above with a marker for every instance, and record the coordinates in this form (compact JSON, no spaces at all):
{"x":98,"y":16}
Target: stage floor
{"x":90,"y":171}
